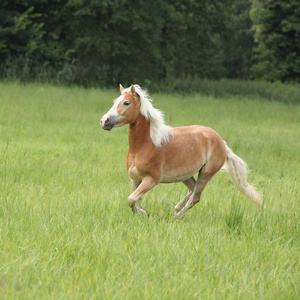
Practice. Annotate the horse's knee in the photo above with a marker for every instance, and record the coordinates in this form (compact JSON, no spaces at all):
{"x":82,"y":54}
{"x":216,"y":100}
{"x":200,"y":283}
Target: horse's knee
{"x":131,"y":202}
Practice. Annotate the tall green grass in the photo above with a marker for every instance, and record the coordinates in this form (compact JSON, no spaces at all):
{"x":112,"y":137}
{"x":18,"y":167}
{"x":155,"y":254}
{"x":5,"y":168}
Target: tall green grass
{"x":66,"y":231}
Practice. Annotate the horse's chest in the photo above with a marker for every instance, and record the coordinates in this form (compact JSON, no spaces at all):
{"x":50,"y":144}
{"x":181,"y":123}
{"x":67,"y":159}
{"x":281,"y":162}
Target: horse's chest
{"x":132,"y":169}
{"x":134,"y":173}
{"x":141,"y":165}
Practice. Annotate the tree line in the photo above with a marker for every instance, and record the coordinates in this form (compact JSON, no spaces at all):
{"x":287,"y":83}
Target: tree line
{"x":104,"y":42}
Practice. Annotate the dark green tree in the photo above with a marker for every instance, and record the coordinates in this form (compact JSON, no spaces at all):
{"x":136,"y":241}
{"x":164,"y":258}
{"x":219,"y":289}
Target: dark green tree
{"x":122,"y":37}
{"x":92,"y":42}
{"x":19,"y":33}
{"x":277,"y":34}
{"x":193,"y":38}
{"x":149,"y":40}
{"x":30,"y":37}
{"x":238,"y":40}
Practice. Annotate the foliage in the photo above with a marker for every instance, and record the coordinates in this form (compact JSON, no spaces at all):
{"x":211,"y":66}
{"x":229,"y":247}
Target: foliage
{"x":85,"y":42}
{"x":26,"y":50}
{"x":238,"y":41}
{"x":103,"y":43}
{"x":19,"y":34}
{"x":277,"y":33}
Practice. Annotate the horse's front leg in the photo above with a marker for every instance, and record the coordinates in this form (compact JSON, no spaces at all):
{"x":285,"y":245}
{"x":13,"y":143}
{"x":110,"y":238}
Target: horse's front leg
{"x":138,"y":191}
{"x":134,"y":186}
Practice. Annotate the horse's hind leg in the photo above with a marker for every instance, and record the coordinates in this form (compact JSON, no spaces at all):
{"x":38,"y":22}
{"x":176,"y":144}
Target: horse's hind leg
{"x":205,"y":175}
{"x":190,"y":184}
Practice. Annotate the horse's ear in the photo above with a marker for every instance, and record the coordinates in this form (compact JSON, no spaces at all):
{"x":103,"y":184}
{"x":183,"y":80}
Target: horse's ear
{"x":121,"y":88}
{"x":132,"y":90}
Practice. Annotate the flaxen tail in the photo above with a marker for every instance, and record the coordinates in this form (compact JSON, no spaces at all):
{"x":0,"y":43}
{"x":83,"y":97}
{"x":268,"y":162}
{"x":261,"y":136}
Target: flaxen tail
{"x":238,"y":171}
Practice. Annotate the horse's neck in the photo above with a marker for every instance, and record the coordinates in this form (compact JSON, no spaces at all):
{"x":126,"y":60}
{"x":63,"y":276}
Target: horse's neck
{"x":139,"y":134}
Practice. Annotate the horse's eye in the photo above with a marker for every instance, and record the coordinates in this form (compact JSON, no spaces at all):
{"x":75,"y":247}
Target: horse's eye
{"x":126,"y":103}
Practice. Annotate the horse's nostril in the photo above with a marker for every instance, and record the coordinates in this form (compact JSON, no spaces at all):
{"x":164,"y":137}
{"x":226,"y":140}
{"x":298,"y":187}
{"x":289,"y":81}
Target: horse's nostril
{"x":106,"y":121}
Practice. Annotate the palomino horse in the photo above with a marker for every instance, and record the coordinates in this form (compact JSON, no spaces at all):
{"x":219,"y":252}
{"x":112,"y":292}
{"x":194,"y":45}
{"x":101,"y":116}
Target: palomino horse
{"x":158,"y":153}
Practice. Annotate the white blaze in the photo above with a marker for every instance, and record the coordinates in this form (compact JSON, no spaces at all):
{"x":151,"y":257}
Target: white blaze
{"x":113,"y":110}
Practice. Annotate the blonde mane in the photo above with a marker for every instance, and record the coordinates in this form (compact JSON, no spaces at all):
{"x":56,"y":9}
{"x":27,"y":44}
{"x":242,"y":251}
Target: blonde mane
{"x":159,"y":131}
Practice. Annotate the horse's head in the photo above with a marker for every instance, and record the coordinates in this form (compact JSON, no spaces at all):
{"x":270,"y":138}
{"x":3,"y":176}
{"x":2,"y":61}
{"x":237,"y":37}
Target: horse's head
{"x":125,"y":110}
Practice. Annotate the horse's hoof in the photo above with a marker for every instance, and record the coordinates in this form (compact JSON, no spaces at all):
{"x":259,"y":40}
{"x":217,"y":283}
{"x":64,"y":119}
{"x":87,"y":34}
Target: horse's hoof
{"x":178,"y":215}
{"x":142,"y":212}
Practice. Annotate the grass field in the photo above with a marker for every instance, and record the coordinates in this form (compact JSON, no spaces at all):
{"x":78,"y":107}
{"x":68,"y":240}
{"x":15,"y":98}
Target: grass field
{"x":66,"y":231}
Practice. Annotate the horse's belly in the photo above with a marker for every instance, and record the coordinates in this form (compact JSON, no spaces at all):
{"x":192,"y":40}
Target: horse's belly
{"x":180,"y":173}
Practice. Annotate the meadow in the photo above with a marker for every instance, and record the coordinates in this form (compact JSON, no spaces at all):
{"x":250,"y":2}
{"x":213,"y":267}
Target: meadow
{"x":66,"y":231}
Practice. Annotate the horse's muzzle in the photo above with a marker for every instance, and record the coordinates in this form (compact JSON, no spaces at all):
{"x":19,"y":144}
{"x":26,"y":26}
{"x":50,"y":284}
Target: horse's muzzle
{"x":108,"y":127}
{"x":106,"y":123}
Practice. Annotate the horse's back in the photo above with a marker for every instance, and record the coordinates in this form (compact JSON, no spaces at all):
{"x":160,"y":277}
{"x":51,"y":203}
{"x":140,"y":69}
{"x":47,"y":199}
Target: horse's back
{"x":197,"y":134}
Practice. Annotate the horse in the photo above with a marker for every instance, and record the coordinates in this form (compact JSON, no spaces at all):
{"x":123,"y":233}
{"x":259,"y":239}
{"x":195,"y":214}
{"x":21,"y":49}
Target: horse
{"x":161,"y":154}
